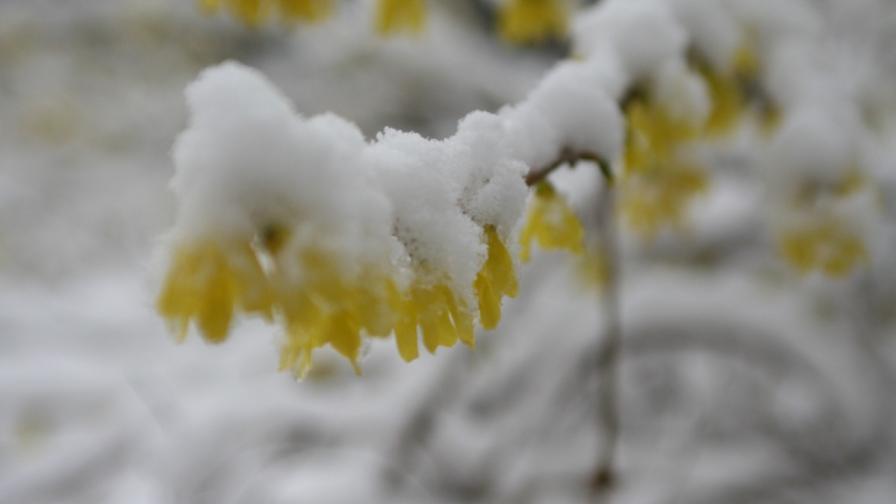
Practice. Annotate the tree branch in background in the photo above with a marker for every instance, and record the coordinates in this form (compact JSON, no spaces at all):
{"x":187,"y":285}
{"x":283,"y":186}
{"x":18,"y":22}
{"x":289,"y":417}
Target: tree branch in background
{"x":608,"y":351}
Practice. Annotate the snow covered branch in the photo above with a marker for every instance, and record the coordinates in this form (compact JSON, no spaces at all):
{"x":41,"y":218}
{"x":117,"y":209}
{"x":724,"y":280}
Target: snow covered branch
{"x":305,"y":222}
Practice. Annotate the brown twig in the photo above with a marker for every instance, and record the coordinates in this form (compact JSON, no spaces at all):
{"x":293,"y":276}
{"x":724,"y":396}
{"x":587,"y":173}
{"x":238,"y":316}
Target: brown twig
{"x":568,"y":157}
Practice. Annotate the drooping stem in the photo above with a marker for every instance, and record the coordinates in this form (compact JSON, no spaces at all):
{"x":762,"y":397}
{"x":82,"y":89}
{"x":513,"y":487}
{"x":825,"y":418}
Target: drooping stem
{"x":609,"y":349}
{"x":567,"y":157}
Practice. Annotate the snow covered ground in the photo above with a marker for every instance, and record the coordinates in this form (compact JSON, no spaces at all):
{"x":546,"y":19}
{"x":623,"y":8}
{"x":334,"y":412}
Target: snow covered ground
{"x":739,"y":383}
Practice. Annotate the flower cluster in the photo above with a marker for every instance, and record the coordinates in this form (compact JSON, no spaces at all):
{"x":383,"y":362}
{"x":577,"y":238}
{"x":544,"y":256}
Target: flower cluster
{"x":682,"y":106}
{"x":400,"y":16}
{"x":821,"y":202}
{"x":519,"y":21}
{"x":658,"y":182}
{"x":825,"y":244}
{"x":417,"y":243}
{"x":257,"y":12}
{"x":392,"y":16}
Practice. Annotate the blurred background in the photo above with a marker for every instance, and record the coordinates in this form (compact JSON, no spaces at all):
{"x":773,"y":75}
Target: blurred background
{"x":739,"y":383}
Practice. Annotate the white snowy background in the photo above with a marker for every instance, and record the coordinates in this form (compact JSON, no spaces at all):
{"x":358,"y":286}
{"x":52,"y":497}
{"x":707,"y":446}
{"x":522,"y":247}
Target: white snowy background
{"x":740,"y":383}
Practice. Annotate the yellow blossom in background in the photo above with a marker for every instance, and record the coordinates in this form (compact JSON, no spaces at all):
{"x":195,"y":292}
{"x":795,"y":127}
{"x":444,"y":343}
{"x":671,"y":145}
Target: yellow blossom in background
{"x":661,"y":198}
{"x":529,"y":21}
{"x":653,"y":136}
{"x":256,"y":12}
{"x":852,"y":182}
{"x":658,"y":183}
{"x":826,"y":245}
{"x":728,"y":103}
{"x":305,"y":10}
{"x":400,"y":16}
{"x":821,"y":241}
{"x":592,"y":268}
{"x":726,"y":89}
{"x":550,"y":223}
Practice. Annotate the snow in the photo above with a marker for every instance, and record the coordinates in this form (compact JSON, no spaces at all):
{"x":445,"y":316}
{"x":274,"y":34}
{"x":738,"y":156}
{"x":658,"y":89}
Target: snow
{"x":711,"y":28}
{"x":585,"y":117}
{"x":439,"y":238}
{"x":643,"y":33}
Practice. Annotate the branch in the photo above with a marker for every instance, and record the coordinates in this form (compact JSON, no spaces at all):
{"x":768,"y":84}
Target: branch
{"x":608,"y":351}
{"x":569,"y":157}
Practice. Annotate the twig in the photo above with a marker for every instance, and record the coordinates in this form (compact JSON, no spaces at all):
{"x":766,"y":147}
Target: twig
{"x":568,"y":157}
{"x":608,"y":351}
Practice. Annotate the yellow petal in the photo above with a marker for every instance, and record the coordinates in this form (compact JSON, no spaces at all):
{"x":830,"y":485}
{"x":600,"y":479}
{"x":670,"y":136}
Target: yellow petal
{"x":406,"y":338}
{"x":489,"y":302}
{"x":216,"y":309}
{"x":345,"y":337}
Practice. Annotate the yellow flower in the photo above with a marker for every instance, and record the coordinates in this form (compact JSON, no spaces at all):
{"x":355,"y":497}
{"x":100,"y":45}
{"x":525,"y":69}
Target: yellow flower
{"x":551,"y":223}
{"x":305,"y":10}
{"x":442,"y":318}
{"x":527,"y":21}
{"x":256,"y":12}
{"x":592,"y":268}
{"x":655,"y":198}
{"x":822,"y":241}
{"x":657,"y":183}
{"x":728,"y":103}
{"x":396,"y":16}
{"x":325,"y":306}
{"x":320,"y":301}
{"x":827,"y":245}
{"x":207,"y":282}
{"x":495,"y":280}
{"x":653,"y":136}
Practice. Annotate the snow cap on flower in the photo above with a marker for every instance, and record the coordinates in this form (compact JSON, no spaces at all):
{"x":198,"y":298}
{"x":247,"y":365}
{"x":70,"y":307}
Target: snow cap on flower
{"x":444,"y":244}
{"x":248,"y":161}
{"x":494,"y":192}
